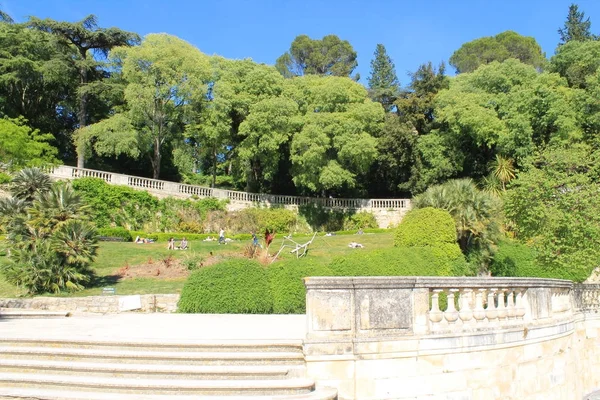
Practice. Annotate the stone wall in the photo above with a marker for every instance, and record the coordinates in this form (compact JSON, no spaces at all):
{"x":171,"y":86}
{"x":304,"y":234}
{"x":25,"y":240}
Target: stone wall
{"x":451,"y":338}
{"x":97,"y":304}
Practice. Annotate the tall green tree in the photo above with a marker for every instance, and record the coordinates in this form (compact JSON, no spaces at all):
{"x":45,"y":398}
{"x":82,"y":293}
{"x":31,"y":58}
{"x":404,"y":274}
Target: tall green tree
{"x":502,"y":108}
{"x":576,"y":61}
{"x":21,"y":146}
{"x":4,"y":17}
{"x":87,"y":39}
{"x":501,"y":47}
{"x":165,"y":76}
{"x":337,"y":142}
{"x":554,"y":204}
{"x":576,"y":27}
{"x":327,"y":56}
{"x":36,"y":82}
{"x":416,"y":105}
{"x":383,"y":82}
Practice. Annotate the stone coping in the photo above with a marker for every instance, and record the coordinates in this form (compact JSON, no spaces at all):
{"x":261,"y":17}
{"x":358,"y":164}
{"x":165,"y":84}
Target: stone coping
{"x":418,"y":282}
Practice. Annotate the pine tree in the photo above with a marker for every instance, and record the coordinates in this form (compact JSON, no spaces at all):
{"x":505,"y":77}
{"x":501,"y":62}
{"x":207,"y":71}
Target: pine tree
{"x":576,"y":27}
{"x":383,"y":82}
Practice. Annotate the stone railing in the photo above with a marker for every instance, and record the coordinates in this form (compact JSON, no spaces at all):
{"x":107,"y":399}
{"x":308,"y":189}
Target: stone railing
{"x":460,"y":338}
{"x":183,"y":190}
{"x":383,"y":306}
{"x":587,"y":297}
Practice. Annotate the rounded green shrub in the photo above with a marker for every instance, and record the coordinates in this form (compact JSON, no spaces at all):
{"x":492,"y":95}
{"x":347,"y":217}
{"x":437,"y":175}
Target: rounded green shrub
{"x":287,"y":286}
{"x":236,"y":286}
{"x":425,"y":227}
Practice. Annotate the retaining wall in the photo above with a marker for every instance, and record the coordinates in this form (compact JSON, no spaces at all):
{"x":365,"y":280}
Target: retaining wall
{"x":97,"y":304}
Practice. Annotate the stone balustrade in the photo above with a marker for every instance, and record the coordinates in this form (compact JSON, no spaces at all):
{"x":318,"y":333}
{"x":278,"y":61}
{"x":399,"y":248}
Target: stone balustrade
{"x":183,"y":190}
{"x":449,"y":337}
{"x":379,"y":306}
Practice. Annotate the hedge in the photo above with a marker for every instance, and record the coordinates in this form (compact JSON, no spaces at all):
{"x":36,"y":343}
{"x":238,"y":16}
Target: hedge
{"x":116,"y":232}
{"x":513,"y":258}
{"x":402,"y":261}
{"x":287,"y":286}
{"x":235,"y":286}
{"x":425,"y":227}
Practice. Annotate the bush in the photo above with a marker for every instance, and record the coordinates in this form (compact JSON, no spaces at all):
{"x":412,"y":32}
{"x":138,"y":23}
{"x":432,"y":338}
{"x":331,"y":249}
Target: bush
{"x":515,"y":259}
{"x":116,"y":232}
{"x":287,"y":286}
{"x":425,"y":227}
{"x":444,"y":260}
{"x":4,"y":178}
{"x":236,"y":286}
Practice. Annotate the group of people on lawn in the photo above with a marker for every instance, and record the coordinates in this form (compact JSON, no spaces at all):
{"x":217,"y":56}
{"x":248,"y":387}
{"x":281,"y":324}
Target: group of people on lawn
{"x":183,"y":245}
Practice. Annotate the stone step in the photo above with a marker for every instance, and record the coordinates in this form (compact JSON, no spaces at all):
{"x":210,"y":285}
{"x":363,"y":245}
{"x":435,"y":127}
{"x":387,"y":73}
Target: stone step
{"x":164,"y":357}
{"x":54,"y":394}
{"x":152,"y":371}
{"x":6,"y":313}
{"x":227,"y":346}
{"x":158,"y":386}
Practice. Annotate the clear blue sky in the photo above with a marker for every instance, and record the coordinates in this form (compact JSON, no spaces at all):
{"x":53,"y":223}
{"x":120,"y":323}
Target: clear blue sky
{"x":413,"y":32}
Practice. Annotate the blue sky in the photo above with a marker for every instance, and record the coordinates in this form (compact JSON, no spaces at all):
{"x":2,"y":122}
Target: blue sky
{"x":413,"y":32}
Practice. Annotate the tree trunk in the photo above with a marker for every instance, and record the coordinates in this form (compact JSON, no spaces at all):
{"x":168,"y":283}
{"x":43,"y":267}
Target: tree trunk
{"x":82,"y":114}
{"x":214,"y":171}
{"x":156,"y":159}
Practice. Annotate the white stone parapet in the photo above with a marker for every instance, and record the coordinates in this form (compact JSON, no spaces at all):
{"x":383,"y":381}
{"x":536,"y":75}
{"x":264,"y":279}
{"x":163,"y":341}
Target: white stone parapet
{"x":387,"y":212}
{"x":183,"y":190}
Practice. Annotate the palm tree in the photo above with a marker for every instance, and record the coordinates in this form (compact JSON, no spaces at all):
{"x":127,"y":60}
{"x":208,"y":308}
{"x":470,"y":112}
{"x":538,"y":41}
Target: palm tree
{"x":76,"y":241}
{"x":52,"y":209}
{"x":28,"y":182}
{"x":503,"y":170}
{"x":476,"y":213}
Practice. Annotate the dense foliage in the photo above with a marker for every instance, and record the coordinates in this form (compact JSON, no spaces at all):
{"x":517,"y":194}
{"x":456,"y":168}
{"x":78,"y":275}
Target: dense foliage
{"x":236,"y":286}
{"x":51,"y":242}
{"x":423,"y":227}
{"x":287,"y":285}
{"x":522,"y":127}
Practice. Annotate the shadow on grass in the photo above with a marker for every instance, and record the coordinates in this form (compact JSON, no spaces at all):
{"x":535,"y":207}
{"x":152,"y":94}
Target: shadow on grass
{"x":103,"y":281}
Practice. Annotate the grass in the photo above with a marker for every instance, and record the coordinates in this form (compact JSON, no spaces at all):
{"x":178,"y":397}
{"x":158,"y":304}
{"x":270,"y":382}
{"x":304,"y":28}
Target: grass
{"x":114,"y":255}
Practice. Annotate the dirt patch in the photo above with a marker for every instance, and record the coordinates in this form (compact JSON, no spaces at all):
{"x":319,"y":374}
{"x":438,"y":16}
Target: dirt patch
{"x":164,"y":268}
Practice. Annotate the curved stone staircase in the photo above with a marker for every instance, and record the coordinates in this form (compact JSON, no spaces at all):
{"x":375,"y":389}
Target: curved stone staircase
{"x":63,"y":369}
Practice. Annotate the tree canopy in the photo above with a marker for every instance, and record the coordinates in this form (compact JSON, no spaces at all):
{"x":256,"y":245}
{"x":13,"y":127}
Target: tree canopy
{"x":501,"y":47}
{"x":327,"y":56}
{"x":383,"y":82}
{"x":576,"y":28}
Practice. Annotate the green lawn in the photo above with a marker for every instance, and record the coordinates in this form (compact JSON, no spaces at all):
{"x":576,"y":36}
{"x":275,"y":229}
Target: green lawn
{"x":114,"y":255}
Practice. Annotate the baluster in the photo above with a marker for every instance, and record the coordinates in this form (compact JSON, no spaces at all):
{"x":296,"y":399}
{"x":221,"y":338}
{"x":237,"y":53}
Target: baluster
{"x":479,"y":312}
{"x":465,"y":298}
{"x":511,"y":304}
{"x":502,"y":311}
{"x":451,"y":314}
{"x":435,"y":315}
{"x":520,"y":307}
{"x":491,"y":312}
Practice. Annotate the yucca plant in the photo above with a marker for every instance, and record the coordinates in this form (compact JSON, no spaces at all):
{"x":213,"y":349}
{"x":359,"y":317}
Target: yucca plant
{"x":28,"y":182}
{"x":55,"y":207}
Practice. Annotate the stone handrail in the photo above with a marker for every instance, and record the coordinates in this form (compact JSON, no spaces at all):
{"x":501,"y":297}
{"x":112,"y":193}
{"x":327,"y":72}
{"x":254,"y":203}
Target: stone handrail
{"x":184,"y":190}
{"x":587,"y":297}
{"x":355,"y":307}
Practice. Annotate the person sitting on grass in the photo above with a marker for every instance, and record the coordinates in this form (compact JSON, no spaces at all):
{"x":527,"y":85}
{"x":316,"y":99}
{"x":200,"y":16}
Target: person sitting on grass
{"x":183,"y":245}
{"x":171,"y":245}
